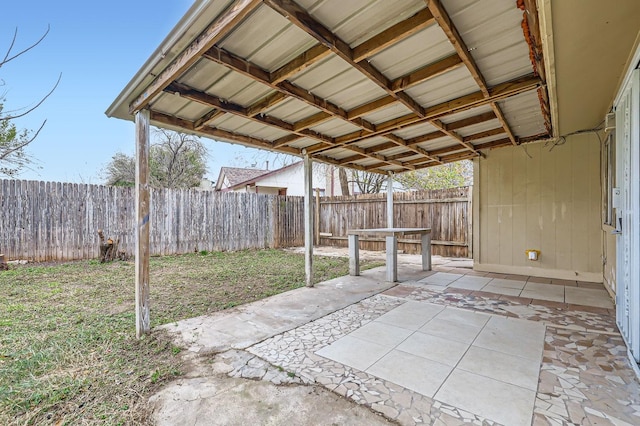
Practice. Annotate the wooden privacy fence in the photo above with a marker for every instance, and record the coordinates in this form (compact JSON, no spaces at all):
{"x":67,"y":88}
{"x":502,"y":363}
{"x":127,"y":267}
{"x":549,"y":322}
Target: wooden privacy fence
{"x":447,"y":212}
{"x":55,"y":221}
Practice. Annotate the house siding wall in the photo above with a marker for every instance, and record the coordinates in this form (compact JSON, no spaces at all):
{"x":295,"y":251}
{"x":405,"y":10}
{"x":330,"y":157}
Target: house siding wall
{"x":535,"y":197}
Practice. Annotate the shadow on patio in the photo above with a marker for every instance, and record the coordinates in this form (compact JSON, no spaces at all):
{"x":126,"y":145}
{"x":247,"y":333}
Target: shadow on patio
{"x":443,"y":347}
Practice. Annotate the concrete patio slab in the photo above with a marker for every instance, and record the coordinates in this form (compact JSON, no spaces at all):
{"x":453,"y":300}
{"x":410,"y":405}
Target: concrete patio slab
{"x":588,"y":296}
{"x":581,"y":375}
{"x":243,"y":326}
{"x":502,"y":402}
{"x":411,"y":371}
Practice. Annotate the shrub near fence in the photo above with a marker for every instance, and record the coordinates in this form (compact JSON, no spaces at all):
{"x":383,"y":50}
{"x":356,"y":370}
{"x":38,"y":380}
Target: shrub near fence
{"x":46,"y":221}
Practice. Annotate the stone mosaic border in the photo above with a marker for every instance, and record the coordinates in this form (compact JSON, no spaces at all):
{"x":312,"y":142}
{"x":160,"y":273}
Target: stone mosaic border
{"x":585,"y":376}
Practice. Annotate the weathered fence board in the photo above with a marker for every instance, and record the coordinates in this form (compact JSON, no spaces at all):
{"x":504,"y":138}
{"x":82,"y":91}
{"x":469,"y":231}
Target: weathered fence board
{"x":444,"y":211}
{"x":54,"y":221}
{"x":45,"y":221}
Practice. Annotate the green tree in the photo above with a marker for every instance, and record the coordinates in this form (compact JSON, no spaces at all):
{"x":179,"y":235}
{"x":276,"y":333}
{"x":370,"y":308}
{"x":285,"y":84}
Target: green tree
{"x":14,"y":141}
{"x":176,"y":160}
{"x":450,"y":175}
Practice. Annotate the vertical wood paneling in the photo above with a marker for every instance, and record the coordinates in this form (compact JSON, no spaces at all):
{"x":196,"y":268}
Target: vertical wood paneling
{"x":54,"y":221}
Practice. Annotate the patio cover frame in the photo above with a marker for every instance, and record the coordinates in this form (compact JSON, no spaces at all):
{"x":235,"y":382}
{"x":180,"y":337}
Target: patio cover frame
{"x":399,"y":144}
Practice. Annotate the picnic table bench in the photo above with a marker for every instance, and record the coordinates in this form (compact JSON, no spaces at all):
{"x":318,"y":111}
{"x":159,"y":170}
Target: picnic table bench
{"x":391,"y":236}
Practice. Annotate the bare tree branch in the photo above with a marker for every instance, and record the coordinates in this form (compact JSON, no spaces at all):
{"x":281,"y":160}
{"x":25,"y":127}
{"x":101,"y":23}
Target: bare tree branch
{"x":7,"y":58}
{"x":4,"y":155}
{"x":11,"y":117}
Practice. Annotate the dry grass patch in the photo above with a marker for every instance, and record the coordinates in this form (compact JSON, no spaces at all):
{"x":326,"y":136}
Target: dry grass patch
{"x":68,"y":353}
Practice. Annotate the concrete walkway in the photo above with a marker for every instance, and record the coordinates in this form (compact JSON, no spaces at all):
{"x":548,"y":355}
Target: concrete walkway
{"x":357,"y":350}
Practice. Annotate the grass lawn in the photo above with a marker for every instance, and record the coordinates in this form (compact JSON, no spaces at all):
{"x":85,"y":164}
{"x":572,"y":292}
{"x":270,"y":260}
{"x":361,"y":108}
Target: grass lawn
{"x":68,"y":353}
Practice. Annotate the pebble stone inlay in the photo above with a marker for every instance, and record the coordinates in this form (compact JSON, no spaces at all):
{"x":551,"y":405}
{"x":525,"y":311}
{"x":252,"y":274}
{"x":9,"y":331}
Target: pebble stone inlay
{"x":585,"y":376}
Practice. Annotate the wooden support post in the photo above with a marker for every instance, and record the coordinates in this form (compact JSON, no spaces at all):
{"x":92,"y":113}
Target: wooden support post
{"x":308,"y":220}
{"x":316,"y":223}
{"x":390,"y":201}
{"x":354,"y":255}
{"x":392,"y":258}
{"x":426,"y":251}
{"x":142,"y":223}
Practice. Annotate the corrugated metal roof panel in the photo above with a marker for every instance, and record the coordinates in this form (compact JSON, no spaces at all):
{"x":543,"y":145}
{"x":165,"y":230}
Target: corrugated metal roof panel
{"x":231,"y":86}
{"x":445,"y":87}
{"x":355,"y":21}
{"x":466,"y":114}
{"x":292,"y":110}
{"x":169,"y":103}
{"x":493,"y":33}
{"x":444,"y":142}
{"x":480,"y":127}
{"x":524,"y":114}
{"x":489,"y":139}
{"x":367,"y":162}
{"x":267,"y":39}
{"x":426,"y":47}
{"x":335,"y":128}
{"x":302,"y":143}
{"x":204,"y":74}
{"x":367,"y":143}
{"x":389,"y":113}
{"x":413,"y":131}
{"x":394,"y":151}
{"x":350,"y":93}
{"x":192,"y":111}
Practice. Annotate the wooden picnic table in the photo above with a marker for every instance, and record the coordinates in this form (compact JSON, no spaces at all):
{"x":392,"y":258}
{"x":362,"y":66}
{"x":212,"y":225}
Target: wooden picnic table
{"x":391,"y":238}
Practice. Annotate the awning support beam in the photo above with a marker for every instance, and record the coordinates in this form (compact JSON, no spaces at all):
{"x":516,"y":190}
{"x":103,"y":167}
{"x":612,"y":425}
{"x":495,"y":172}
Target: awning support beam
{"x":308,"y":220}
{"x":142,"y":223}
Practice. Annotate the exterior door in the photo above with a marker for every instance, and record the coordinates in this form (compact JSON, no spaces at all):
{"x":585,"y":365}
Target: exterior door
{"x":628,"y":214}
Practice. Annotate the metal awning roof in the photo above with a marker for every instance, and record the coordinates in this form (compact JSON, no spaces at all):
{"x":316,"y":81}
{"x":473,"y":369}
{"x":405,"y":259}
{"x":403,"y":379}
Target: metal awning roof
{"x":377,"y":85}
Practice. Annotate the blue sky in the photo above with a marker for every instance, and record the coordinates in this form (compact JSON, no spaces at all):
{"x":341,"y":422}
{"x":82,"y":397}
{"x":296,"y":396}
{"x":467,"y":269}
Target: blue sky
{"x":98,"y":47}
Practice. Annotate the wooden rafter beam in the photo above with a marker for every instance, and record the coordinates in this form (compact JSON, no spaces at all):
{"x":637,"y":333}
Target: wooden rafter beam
{"x":214,"y":32}
{"x":485,"y":134}
{"x":207,"y":118}
{"x":301,"y":62}
{"x":415,"y":149}
{"x":333,"y":161}
{"x":463,"y":103}
{"x":371,"y":107}
{"x":242,"y":66}
{"x":393,"y":35}
{"x":314,"y":120}
{"x":443,"y":128}
{"x":301,"y":18}
{"x":444,"y":21}
{"x":264,"y":104}
{"x":190,"y":93}
{"x":170,"y":120}
{"x":425,"y":73}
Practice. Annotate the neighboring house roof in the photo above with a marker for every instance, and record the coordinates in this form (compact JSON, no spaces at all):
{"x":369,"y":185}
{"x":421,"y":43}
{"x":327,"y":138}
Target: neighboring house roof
{"x":256,"y":179}
{"x":233,"y":176}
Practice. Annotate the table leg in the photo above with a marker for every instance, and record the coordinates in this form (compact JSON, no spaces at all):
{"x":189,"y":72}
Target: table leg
{"x":426,"y":252}
{"x":354,"y":255}
{"x":392,"y":259}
